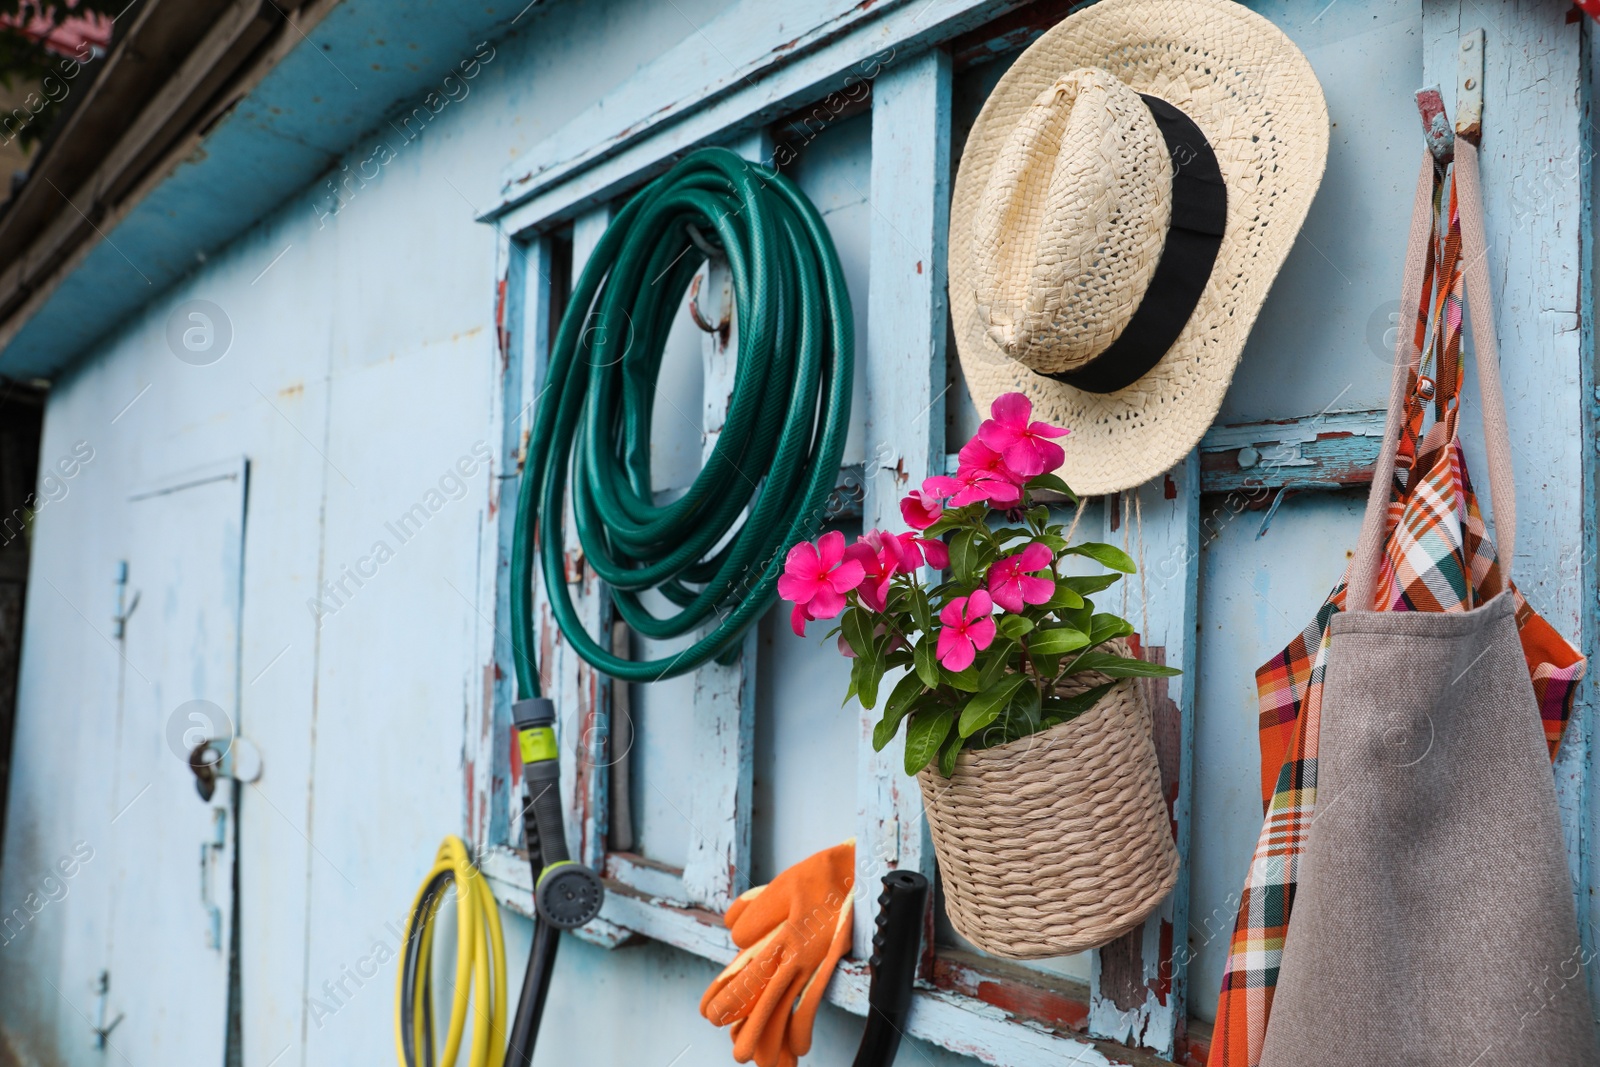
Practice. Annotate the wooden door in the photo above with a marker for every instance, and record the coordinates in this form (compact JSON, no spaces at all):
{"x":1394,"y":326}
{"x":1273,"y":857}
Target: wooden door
{"x":172,"y":905}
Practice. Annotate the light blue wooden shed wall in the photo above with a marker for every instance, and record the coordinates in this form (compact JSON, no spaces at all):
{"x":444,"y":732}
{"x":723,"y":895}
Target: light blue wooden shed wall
{"x":364,"y":364}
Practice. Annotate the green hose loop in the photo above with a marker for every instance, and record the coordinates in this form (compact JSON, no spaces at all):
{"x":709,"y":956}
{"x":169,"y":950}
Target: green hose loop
{"x":775,"y":462}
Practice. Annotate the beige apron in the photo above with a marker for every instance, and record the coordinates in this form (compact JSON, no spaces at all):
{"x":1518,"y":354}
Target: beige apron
{"x":1434,"y":921}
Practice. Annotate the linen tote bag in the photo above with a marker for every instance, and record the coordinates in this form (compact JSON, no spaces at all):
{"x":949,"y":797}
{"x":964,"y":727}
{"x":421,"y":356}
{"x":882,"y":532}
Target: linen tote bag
{"x":1438,"y":558}
{"x":1433,"y":920}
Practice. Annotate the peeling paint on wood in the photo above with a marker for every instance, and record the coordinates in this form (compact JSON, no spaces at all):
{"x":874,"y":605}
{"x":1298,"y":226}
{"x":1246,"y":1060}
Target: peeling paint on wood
{"x":1138,"y":984}
{"x":1328,"y":450}
{"x":905,"y":390}
{"x":717,"y":868}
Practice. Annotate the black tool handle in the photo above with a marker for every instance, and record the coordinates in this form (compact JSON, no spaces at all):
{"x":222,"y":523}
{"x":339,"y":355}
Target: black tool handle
{"x":896,"y":946}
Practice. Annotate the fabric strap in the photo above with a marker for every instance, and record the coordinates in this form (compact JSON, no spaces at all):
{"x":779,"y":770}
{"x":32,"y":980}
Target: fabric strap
{"x":1199,"y":217}
{"x":1408,"y":356}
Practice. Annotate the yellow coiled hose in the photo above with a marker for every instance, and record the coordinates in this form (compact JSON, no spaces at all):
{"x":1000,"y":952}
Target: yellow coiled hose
{"x":480,"y":965}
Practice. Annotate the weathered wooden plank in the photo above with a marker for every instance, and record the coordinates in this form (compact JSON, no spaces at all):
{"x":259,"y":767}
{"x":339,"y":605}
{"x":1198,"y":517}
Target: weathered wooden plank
{"x":988,"y":1033}
{"x":581,"y":693}
{"x":742,"y":70}
{"x":905,"y":372}
{"x":1037,"y":996}
{"x":659,"y":880}
{"x":1589,"y":568}
{"x":521,"y":329}
{"x":717,"y":867}
{"x":1138,"y":984}
{"x":1532,"y":155}
{"x":1323,"y":451}
{"x":588,"y":802}
{"x":1329,"y":450}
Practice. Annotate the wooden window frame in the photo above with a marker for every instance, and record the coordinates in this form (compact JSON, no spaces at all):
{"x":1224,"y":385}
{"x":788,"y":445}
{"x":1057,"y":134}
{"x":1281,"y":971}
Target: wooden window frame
{"x":1134,"y":1008}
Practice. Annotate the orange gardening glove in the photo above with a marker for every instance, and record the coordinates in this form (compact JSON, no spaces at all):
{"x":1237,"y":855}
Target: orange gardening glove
{"x":791,"y":933}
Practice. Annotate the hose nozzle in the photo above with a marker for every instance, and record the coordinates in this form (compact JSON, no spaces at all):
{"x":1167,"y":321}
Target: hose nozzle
{"x":565,"y":894}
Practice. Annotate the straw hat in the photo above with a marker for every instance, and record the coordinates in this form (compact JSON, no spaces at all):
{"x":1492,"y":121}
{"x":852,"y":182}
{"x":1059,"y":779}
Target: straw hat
{"x":1126,"y":196}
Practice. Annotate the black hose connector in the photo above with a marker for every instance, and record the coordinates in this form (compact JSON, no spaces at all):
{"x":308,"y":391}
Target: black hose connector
{"x":896,"y":947}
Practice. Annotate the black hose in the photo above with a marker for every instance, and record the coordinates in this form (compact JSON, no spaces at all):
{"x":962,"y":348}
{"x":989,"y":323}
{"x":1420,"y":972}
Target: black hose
{"x":535,"y":987}
{"x":895,"y":949}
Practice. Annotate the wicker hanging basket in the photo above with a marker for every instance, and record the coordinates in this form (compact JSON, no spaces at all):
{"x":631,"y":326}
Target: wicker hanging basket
{"x":1060,"y":841}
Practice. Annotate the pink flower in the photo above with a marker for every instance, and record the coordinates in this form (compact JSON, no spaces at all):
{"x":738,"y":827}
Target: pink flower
{"x":936,"y":552}
{"x":920,"y":510}
{"x":881,"y":556}
{"x":1012,"y":584}
{"x":981,"y":475}
{"x":1024,"y":444}
{"x":968,"y":629}
{"x":914,"y":549}
{"x":816,"y":578}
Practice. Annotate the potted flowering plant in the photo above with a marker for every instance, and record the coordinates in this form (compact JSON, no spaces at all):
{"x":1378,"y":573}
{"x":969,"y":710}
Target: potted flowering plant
{"x":1029,"y":738}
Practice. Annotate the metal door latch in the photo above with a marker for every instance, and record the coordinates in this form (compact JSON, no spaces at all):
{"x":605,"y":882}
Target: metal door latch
{"x":218,"y":842}
{"x":100,"y":1028}
{"x":237,"y":758}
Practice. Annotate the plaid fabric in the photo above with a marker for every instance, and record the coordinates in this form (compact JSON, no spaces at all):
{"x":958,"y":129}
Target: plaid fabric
{"x":1437,"y":557}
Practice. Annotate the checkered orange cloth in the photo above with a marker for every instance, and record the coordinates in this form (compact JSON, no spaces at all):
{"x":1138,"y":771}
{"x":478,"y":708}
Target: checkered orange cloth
{"x":1437,"y":557}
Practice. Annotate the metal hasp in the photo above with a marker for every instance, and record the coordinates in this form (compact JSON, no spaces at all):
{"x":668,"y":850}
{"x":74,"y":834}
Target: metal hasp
{"x":1469,"y":86}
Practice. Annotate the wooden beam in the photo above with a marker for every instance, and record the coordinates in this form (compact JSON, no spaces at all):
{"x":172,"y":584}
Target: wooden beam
{"x":905,"y":371}
{"x":1139,"y":983}
{"x":1535,"y":169}
{"x":723,"y":763}
{"x":743,"y":70}
{"x":953,"y":1020}
{"x":1329,"y":450}
{"x":583,"y":693}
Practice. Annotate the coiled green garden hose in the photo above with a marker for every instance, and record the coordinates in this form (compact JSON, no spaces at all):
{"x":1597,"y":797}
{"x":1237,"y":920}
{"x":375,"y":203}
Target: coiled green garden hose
{"x":775,"y":461}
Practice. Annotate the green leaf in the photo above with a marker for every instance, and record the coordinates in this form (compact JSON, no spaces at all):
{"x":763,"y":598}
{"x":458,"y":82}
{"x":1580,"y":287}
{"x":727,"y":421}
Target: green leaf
{"x":921,"y":610}
{"x":995,"y":658}
{"x":1078,"y":618}
{"x":964,"y":555}
{"x":1014,"y":625}
{"x":925,"y":734}
{"x":1054,"y":484}
{"x":964,"y":680}
{"x":1121,"y":666}
{"x":868,"y":672}
{"x":1022,"y":717}
{"x":857,"y":628}
{"x":1057,"y":640}
{"x":1064,"y":709}
{"x":948,"y":754}
{"x":926,"y":659}
{"x":956,"y":518}
{"x":1088,"y":584}
{"x":1105,"y":555}
{"x":1065,"y":597}
{"x":1039,"y":517}
{"x":901,"y":700}
{"x":1104,"y":627}
{"x":984,"y":708}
